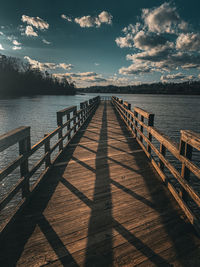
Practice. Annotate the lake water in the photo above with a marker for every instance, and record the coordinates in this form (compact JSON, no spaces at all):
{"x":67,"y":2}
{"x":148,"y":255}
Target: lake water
{"x":172,"y":113}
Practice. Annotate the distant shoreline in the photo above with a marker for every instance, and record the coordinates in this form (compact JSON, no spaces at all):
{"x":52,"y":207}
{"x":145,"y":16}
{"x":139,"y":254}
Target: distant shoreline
{"x":139,"y":93}
{"x":185,"y":88}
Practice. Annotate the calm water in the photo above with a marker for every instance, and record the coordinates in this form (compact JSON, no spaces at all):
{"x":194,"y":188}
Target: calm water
{"x":172,"y":113}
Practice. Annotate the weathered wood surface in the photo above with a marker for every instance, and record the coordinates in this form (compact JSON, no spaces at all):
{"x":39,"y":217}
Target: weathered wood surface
{"x":102,"y":205}
{"x":185,"y":194}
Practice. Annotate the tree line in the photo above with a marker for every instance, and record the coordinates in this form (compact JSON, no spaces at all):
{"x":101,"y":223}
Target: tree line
{"x":185,"y":88}
{"x":18,"y":78}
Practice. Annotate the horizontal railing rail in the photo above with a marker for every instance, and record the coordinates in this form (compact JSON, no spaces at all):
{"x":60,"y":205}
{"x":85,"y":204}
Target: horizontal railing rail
{"x":139,"y":120}
{"x":74,"y":121}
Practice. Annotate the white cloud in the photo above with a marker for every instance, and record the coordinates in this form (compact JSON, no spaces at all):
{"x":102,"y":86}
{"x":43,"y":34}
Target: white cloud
{"x":96,"y":64}
{"x":188,"y":42}
{"x":86,"y":21}
{"x":161,"y":19}
{"x":36,"y":22}
{"x":1,"y":33}
{"x":126,"y":41}
{"x":136,"y":69}
{"x":47,"y":66}
{"x":69,"y":19}
{"x":11,"y":37}
{"x":164,"y":41}
{"x":90,"y":21}
{"x":105,"y":17}
{"x":46,"y":42}
{"x":184,"y":26}
{"x":65,"y":66}
{"x":145,"y":41}
{"x":82,"y":74}
{"x":15,"y":42}
{"x":30,"y":32}
{"x":82,"y":78}
{"x":132,"y":28}
{"x":1,"y":47}
{"x":177,"y":77}
{"x":16,"y":48}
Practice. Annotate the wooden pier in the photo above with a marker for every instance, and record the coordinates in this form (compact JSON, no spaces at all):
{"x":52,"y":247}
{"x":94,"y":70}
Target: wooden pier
{"x":105,"y":199}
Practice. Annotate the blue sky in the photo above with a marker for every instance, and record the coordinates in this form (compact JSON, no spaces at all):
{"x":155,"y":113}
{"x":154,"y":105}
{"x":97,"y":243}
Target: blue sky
{"x":105,"y":42}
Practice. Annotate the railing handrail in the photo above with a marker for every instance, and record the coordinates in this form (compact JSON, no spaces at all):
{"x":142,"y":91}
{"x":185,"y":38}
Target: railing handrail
{"x":21,"y":135}
{"x":12,"y":137}
{"x":191,"y":138}
{"x":182,"y":152}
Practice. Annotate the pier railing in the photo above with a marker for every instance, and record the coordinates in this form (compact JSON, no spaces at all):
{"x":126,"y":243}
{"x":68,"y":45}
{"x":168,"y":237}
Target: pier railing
{"x":141,"y":125}
{"x":66,"y":130}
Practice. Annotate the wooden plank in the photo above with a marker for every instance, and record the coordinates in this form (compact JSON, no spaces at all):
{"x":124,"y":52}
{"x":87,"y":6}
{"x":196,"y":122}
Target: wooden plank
{"x":102,"y":198}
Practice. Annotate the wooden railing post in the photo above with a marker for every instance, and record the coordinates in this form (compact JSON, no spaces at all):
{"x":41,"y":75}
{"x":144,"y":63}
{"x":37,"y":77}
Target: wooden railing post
{"x":74,"y":121}
{"x":163,"y":152}
{"x":82,"y":112}
{"x":127,"y":113}
{"x":136,"y":123}
{"x":69,"y":126}
{"x":150,"y":123}
{"x":132,"y":119}
{"x":46,"y":150}
{"x":79,"y":117}
{"x":141,"y":128}
{"x":86,"y":111}
{"x":186,"y":151}
{"x":60,"y":133}
{"x":24,"y":147}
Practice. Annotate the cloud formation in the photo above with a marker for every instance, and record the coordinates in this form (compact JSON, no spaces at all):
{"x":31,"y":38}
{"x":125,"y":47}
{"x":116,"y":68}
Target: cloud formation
{"x":83,"y":79}
{"x":188,"y":42}
{"x":161,"y":41}
{"x":161,"y":19}
{"x":46,"y":42}
{"x":36,"y":22}
{"x":15,"y":42}
{"x":1,"y":47}
{"x":16,"y":48}
{"x":136,"y":69}
{"x":177,"y":77}
{"x":29,"y":31}
{"x":69,"y":19}
{"x":147,"y":41}
{"x":91,"y":21}
{"x":47,"y":66}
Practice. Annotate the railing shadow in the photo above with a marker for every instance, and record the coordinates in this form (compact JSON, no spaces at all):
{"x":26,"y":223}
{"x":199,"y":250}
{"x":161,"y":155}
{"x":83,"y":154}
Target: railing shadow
{"x":103,"y":199}
{"x":99,"y":250}
{"x":12,"y":244}
{"x":165,"y":208}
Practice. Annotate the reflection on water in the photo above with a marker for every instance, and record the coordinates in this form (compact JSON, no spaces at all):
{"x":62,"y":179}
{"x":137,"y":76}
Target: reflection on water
{"x":172,"y":113}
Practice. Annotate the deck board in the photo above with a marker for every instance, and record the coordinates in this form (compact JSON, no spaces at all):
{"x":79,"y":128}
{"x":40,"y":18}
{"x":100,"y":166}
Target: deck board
{"x":103,"y":204}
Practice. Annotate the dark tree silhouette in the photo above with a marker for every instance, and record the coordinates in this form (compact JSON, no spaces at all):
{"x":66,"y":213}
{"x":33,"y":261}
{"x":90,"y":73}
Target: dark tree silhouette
{"x":185,"y":88}
{"x":18,"y":78}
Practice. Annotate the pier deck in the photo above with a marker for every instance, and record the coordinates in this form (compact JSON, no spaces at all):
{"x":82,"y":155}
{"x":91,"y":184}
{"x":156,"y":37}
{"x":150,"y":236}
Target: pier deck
{"x":103,"y":204}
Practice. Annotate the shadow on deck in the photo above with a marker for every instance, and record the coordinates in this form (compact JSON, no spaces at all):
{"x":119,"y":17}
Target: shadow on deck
{"x":113,"y":222}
